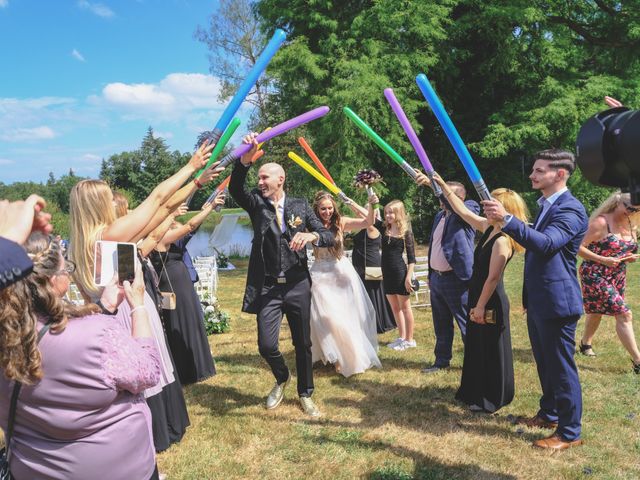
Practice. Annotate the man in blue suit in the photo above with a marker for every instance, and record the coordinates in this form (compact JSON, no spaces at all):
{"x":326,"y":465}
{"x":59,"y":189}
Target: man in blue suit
{"x":17,"y":221}
{"x":551,"y":293}
{"x":450,"y":266}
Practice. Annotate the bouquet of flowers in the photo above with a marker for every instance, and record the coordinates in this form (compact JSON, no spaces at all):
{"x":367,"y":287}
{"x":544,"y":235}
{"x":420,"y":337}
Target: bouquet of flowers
{"x":366,"y":178}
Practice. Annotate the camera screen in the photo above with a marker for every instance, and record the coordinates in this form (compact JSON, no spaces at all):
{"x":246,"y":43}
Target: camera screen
{"x":126,"y":259}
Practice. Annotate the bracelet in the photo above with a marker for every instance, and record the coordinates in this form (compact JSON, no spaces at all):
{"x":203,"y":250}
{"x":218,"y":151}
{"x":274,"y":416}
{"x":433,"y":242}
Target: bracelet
{"x":198,"y":184}
{"x":449,"y":193}
{"x":139,"y":307}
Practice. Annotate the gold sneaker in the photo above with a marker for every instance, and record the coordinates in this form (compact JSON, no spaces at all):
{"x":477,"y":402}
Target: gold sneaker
{"x":276,"y":394}
{"x":309,"y":407}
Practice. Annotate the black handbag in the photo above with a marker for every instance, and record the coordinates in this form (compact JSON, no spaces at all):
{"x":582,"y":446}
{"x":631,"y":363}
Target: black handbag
{"x":5,"y":453}
{"x":415,"y":284}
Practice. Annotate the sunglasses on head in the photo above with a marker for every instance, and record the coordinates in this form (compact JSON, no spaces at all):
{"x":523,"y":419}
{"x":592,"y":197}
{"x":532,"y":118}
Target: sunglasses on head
{"x":630,"y":208}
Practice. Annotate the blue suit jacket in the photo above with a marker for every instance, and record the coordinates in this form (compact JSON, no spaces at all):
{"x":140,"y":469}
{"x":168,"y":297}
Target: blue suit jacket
{"x":551,"y":289}
{"x":457,"y":241}
{"x":15,"y":264}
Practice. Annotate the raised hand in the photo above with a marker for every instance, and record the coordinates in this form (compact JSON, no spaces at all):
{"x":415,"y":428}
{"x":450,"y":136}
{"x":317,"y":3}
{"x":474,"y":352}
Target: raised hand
{"x":19,"y":219}
{"x":200,"y":158}
{"x":421,"y":179}
{"x":210,"y":173}
{"x":249,"y":157}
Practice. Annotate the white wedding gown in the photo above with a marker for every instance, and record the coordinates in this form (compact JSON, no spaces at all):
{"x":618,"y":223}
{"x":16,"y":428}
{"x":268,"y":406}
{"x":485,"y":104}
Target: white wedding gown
{"x":343,"y":320}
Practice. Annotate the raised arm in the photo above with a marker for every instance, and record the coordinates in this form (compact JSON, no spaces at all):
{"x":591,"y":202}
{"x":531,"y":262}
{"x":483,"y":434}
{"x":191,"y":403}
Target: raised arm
{"x":178,"y":199}
{"x":237,"y":184}
{"x":194,"y":222}
{"x":500,"y":253}
{"x":151,"y":241}
{"x":128,"y":227}
{"x":350,"y":224}
{"x":459,"y":207}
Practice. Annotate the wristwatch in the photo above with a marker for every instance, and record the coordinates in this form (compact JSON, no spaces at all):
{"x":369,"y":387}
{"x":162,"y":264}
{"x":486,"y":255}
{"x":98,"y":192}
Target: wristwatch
{"x":104,"y":309}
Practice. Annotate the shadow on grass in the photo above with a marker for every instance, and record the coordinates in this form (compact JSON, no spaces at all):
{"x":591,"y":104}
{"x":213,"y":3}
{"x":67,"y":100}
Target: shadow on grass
{"x":220,"y":400}
{"x":429,"y":408}
{"x":425,"y":467}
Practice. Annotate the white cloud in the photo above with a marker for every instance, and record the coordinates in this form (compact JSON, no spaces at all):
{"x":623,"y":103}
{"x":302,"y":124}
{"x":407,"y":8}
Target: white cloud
{"x":173,"y":96}
{"x":6,"y":161}
{"x":90,"y":157}
{"x":27,"y":134}
{"x":96,"y":8}
{"x":4,"y":3}
{"x":165,"y":135}
{"x":77,"y":55}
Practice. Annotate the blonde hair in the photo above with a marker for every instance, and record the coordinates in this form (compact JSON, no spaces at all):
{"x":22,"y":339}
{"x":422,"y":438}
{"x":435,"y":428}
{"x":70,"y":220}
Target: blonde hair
{"x":402,"y":218}
{"x":611,"y":203}
{"x":516,"y":206}
{"x":90,"y":211}
{"x":22,"y":303}
{"x":121,"y":204}
{"x":335,"y":222}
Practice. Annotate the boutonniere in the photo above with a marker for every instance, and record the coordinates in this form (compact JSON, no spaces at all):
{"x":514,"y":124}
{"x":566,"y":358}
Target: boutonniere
{"x":294,"y":222}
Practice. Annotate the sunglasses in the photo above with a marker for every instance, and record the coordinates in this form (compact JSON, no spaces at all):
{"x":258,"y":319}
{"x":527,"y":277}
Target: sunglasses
{"x":630,"y":208}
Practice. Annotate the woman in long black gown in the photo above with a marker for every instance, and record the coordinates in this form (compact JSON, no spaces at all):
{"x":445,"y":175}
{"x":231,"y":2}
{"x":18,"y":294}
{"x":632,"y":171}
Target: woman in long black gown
{"x":487,"y":382}
{"x":184,"y":325}
{"x":366,"y":253}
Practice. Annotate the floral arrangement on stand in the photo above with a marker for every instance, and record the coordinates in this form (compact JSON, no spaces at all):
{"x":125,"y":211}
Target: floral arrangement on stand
{"x":216,"y":320}
{"x":223,"y":260}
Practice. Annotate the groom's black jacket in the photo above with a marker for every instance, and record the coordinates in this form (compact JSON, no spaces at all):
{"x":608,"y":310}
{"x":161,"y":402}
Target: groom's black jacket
{"x":267,"y":239}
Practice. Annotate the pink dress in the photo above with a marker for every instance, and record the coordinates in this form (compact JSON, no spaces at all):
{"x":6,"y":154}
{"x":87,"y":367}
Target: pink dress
{"x":87,"y":415}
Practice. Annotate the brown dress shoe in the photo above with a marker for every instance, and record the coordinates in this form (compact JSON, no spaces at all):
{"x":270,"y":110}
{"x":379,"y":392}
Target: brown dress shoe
{"x":555,"y":442}
{"x":536,"y":422}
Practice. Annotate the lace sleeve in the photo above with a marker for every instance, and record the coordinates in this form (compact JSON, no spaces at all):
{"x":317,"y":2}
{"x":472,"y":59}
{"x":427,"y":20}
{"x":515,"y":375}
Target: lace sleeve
{"x":131,"y":364}
{"x":410,"y":247}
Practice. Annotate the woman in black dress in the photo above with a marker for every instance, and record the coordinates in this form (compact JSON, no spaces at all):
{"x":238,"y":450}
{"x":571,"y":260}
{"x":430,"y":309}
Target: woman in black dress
{"x":184,"y":325}
{"x":366,"y":253}
{"x":397,"y":237}
{"x":169,"y":416}
{"x":487,"y":372}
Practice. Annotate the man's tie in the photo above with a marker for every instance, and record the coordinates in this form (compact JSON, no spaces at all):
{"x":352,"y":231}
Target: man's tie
{"x":278,"y":220}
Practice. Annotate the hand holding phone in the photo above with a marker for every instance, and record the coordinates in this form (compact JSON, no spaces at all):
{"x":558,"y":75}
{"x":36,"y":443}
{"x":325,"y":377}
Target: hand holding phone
{"x":114,"y":258}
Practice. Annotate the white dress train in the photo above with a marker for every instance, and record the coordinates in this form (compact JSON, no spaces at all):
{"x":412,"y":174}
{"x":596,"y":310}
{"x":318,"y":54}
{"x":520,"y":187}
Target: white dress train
{"x":343,"y":320}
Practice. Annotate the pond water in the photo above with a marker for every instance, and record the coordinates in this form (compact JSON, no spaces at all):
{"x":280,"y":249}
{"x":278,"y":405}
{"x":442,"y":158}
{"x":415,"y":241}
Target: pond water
{"x":239,"y":244}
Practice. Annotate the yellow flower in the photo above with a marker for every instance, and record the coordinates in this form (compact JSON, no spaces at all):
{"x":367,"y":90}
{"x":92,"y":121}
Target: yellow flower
{"x":294,"y":222}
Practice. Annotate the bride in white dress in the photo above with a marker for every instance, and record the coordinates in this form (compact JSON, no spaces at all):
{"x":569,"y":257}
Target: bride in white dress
{"x":343,"y":320}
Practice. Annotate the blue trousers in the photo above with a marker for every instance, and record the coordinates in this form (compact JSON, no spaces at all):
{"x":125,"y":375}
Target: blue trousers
{"x":553,"y":345}
{"x":449,"y":301}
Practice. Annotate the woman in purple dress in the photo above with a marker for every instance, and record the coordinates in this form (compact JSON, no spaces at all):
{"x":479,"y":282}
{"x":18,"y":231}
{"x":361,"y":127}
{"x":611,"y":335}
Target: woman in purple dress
{"x":80,"y":412}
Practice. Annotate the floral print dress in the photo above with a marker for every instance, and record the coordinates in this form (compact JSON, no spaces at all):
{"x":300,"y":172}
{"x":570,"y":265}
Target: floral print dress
{"x":602,"y":286}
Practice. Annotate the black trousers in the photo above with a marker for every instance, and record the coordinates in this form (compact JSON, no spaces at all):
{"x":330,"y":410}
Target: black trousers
{"x":294,"y":301}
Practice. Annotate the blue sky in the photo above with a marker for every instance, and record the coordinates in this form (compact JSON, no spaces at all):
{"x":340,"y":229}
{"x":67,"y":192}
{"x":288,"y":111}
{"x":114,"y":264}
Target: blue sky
{"x":82,"y":80}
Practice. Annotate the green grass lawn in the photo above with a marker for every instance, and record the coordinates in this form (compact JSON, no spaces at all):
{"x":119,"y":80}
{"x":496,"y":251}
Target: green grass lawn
{"x":395,"y":422}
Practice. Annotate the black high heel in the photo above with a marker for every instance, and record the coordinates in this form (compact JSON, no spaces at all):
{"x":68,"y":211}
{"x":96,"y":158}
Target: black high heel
{"x":636,"y":367}
{"x":587,"y":350}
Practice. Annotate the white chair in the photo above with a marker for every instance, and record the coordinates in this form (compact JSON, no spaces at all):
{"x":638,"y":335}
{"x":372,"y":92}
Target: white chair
{"x":421,"y":273}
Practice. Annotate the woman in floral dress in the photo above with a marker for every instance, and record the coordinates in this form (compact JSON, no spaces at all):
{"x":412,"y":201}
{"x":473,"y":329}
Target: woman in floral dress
{"x":610,"y":243}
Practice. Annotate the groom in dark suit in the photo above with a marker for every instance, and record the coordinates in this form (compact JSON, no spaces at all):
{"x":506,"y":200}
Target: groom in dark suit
{"x":278,"y":280}
{"x":551,"y":293}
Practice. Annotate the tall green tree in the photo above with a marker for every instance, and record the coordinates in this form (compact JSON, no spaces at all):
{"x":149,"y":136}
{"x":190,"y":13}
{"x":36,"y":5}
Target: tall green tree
{"x":516,"y":76}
